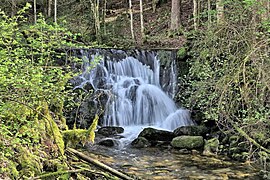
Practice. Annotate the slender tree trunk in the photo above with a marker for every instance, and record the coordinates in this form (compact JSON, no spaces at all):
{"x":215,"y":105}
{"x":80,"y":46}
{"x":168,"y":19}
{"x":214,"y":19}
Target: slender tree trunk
{"x":95,"y":11}
{"x":175,"y":15}
{"x":209,"y":12}
{"x":131,"y":19}
{"x":49,"y":8}
{"x":199,"y":10}
{"x":195,"y":14}
{"x":35,"y":11}
{"x":55,"y":11}
{"x":104,"y":17}
{"x":220,"y":11}
{"x":142,"y":25}
{"x":98,"y":21}
{"x":13,"y":7}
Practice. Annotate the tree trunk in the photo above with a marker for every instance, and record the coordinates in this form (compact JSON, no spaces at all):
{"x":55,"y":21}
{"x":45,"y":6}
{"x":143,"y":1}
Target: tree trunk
{"x":131,"y":19}
{"x":175,"y":15}
{"x":55,"y":11}
{"x":104,"y":17}
{"x":199,"y":10}
{"x":141,"y":15}
{"x":195,"y":14}
{"x":209,"y":12}
{"x":13,"y":7}
{"x":95,"y":11}
{"x":49,"y":8}
{"x":35,"y":11}
{"x":220,"y":11}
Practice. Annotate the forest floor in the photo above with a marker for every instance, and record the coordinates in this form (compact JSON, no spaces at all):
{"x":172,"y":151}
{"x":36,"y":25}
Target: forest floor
{"x":156,"y":24}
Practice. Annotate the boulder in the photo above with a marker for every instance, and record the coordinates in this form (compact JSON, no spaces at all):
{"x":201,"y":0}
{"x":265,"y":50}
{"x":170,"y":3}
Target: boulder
{"x":191,"y":131}
{"x":107,"y":142}
{"x":108,"y":131}
{"x":188,"y":142}
{"x":152,"y":134}
{"x":140,"y":142}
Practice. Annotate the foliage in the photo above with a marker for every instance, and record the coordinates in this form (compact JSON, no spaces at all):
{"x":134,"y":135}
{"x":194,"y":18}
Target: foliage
{"x":229,"y":81}
{"x":33,"y":74}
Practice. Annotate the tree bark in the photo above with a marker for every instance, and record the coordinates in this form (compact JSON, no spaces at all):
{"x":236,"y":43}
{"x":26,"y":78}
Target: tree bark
{"x":104,"y":17}
{"x":175,"y":15}
{"x":35,"y":11}
{"x":141,"y":17}
{"x":195,"y":14}
{"x":49,"y":8}
{"x":131,"y":19}
{"x":95,"y":11}
{"x":55,"y":11}
{"x":13,"y":7}
{"x":209,"y":12}
{"x":220,"y":11}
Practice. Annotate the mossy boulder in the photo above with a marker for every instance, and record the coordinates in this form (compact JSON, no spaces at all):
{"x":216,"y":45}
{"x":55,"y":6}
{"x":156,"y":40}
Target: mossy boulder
{"x":152,"y":134}
{"x":191,"y":131}
{"x":188,"y":142}
{"x":140,"y":142}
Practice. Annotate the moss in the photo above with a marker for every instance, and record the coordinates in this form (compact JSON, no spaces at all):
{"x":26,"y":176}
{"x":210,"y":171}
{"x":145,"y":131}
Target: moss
{"x":181,"y":53}
{"x":8,"y":168}
{"x":52,"y":129}
{"x":75,"y":136}
{"x":29,"y":163}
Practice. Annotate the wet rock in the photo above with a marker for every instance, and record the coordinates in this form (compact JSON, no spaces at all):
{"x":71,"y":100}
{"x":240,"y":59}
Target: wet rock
{"x":110,"y":130}
{"x":188,"y":142}
{"x":107,"y":142}
{"x":152,"y":134}
{"x":140,"y":142}
{"x":184,"y":151}
{"x":191,"y":131}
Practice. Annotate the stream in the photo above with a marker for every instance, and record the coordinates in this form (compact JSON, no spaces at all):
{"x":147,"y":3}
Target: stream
{"x":165,"y":163}
{"x":139,"y":89}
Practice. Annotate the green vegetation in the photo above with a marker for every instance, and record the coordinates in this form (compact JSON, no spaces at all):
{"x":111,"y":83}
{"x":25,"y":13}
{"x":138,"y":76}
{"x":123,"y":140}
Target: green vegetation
{"x":226,"y":43}
{"x":33,"y":75}
{"x":228,"y":80}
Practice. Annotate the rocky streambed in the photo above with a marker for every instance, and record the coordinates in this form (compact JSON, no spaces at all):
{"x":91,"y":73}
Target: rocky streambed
{"x":152,"y":158}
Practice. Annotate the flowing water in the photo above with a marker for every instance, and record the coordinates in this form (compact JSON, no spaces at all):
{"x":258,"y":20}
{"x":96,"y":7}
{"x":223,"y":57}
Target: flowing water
{"x":136,"y":96}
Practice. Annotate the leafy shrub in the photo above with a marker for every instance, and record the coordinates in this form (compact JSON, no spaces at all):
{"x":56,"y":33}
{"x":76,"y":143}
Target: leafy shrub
{"x":32,"y":91}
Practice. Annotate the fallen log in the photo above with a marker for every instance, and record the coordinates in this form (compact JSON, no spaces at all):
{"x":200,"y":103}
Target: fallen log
{"x":99,"y":164}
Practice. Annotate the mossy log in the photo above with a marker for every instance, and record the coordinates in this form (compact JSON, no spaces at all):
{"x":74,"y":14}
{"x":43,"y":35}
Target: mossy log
{"x":99,"y":164}
{"x":58,"y":173}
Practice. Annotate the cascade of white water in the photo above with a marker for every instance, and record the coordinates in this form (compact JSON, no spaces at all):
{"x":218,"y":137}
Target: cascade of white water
{"x":135,"y":97}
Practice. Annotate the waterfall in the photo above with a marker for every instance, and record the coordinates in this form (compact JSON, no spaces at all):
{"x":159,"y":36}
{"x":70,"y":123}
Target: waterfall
{"x":136,"y":95}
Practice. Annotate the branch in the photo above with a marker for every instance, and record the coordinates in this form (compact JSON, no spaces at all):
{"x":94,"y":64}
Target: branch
{"x":244,"y":134}
{"x":58,"y":173}
{"x":99,"y":164}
